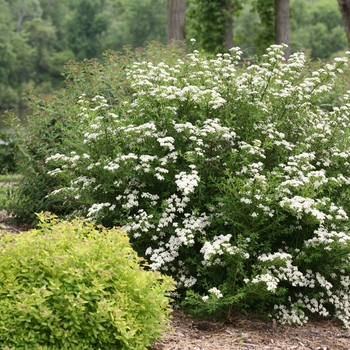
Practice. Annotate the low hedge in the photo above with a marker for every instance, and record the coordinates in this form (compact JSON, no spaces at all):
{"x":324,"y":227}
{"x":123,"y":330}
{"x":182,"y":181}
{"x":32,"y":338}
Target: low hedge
{"x":72,"y":285}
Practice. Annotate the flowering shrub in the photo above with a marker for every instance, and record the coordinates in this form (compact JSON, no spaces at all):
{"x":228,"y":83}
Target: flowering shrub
{"x":234,"y":181}
{"x":50,"y":116}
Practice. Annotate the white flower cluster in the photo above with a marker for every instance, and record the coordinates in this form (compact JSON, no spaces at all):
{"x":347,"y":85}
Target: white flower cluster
{"x":339,"y":298}
{"x":187,"y":183}
{"x":270,"y":281}
{"x":290,"y":315}
{"x":213,"y":291}
{"x":166,"y":83}
{"x":214,"y":250}
{"x":95,"y":209}
{"x":185,"y":234}
{"x":167,"y":142}
{"x":328,"y":239}
{"x":141,"y":222}
{"x":301,"y":205}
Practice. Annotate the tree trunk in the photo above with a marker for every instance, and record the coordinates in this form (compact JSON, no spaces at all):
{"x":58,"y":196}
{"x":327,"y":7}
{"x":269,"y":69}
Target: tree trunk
{"x":345,"y":11}
{"x":282,"y":25}
{"x":229,"y":29}
{"x":176,"y":20}
{"x":20,"y":19}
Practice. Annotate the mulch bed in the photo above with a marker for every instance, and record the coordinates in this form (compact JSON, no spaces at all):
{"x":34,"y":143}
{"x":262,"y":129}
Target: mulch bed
{"x":246,"y":332}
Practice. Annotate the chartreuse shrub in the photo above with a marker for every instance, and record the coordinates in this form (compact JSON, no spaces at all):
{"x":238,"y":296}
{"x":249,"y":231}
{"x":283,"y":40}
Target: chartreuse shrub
{"x":75,"y":285}
{"x":234,"y":180}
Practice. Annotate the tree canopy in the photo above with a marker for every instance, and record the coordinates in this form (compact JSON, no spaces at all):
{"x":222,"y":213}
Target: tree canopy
{"x":38,"y":37}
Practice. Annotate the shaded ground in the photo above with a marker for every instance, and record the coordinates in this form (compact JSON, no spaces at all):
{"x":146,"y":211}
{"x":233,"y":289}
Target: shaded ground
{"x":243,"y":333}
{"x":247,"y":333}
{"x":7,"y":226}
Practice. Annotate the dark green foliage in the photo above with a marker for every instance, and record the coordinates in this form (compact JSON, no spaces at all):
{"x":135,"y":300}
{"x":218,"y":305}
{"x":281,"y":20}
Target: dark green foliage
{"x":86,"y":29}
{"x":5,"y":193}
{"x":70,"y":285}
{"x":208,"y":22}
{"x":41,"y":135}
{"x":7,"y":154}
{"x":14,"y":63}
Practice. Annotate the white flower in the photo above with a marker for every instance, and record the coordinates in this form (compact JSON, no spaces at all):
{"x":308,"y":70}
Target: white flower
{"x":186,"y":183}
{"x":216,"y":292}
{"x":270,"y":281}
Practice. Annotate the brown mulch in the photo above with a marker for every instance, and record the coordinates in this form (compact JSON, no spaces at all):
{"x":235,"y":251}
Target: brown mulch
{"x":7,"y":226}
{"x":242,"y":332}
{"x":246,"y":333}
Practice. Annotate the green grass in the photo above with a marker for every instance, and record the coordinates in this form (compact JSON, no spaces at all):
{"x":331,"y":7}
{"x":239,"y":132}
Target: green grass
{"x":10,"y":177}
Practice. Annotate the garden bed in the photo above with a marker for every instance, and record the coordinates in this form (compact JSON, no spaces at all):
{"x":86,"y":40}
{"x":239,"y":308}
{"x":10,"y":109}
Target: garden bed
{"x":245,"y":332}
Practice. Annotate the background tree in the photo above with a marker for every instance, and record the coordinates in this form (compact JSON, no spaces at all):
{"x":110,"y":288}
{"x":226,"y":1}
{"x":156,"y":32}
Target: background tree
{"x":317,"y":27}
{"x":345,"y":11}
{"x":58,"y":13}
{"x":229,"y":25}
{"x":38,"y":36}
{"x":211,"y":24}
{"x":25,"y":10}
{"x":16,"y":58}
{"x":135,"y":23}
{"x":87,"y":28}
{"x":265,"y":28}
{"x":282,"y":26}
{"x":246,"y":25}
{"x":176,"y":10}
{"x":274,"y":24}
{"x":146,"y":22}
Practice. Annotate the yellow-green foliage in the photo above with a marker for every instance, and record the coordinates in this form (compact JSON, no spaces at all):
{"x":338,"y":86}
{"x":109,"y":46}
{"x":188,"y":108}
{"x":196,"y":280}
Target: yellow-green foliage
{"x":72,"y":285}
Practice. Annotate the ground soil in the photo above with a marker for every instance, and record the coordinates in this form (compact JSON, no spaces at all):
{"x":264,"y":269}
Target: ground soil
{"x":241,"y":332}
{"x":247,"y":332}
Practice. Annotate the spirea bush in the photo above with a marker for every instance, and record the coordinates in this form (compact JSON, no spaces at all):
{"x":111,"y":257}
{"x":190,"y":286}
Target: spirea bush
{"x":51,"y":115}
{"x":234,"y":180}
{"x":72,"y":285}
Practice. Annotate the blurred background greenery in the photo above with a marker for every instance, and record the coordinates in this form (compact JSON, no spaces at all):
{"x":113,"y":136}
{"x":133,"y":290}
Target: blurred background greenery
{"x":37,"y":37}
